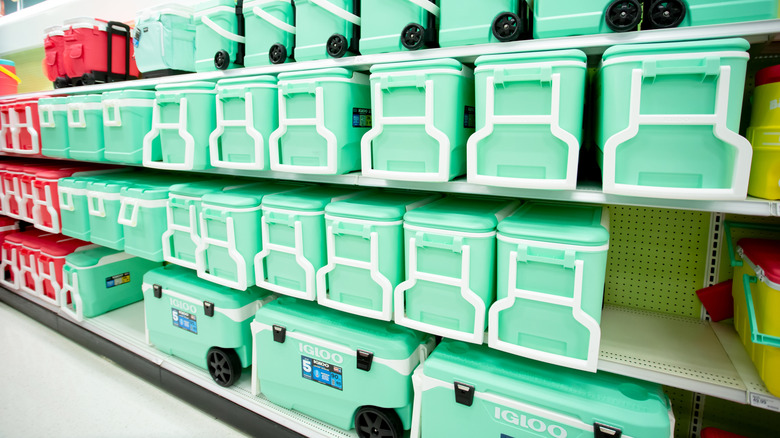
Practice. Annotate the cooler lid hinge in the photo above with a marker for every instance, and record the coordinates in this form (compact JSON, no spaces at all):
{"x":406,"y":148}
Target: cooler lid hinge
{"x":280,"y":333}
{"x":604,"y":431}
{"x":364,"y":360}
{"x":464,"y":394}
{"x":208,"y":308}
{"x":157,"y":290}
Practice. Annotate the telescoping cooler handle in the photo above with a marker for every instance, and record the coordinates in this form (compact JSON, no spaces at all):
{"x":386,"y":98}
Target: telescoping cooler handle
{"x":755,"y":335}
{"x":222,"y":32}
{"x":451,"y":243}
{"x":707,"y":66}
{"x":728,"y":225}
{"x":428,"y":5}
{"x":273,"y":21}
{"x":543,"y":74}
{"x":121,"y":29}
{"x":337,"y":11}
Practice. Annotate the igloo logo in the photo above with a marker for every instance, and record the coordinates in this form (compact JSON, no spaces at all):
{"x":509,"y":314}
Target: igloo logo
{"x":183,"y":305}
{"x":526,"y":422}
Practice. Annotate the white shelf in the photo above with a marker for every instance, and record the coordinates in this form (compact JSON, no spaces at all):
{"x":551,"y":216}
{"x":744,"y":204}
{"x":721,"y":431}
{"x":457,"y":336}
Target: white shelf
{"x":755,"y":32}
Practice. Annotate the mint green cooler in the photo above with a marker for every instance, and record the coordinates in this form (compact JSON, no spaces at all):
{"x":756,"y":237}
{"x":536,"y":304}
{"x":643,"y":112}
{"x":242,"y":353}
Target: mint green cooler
{"x":164,"y":40}
{"x":326,"y":28}
{"x":535,"y":145}
{"x":364,"y":238}
{"x":494,"y":21}
{"x":100,"y":280}
{"x":322,"y":116}
{"x":85,"y":127}
{"x":142,"y":215}
{"x":467,"y":390}
{"x":398,"y":25}
{"x":200,"y":322}
{"x":293,"y":240}
{"x":450,"y":249}
{"x":127,"y":118}
{"x":230,"y":234}
{"x":423,"y":114}
{"x":342,"y":369}
{"x":53,"y":115}
{"x":183,"y":118}
{"x":270,"y":32}
{"x":246,"y":116}
{"x":551,"y":265}
{"x":103,"y":205}
{"x":74,"y":210}
{"x":667,"y":120}
{"x":216,"y":35}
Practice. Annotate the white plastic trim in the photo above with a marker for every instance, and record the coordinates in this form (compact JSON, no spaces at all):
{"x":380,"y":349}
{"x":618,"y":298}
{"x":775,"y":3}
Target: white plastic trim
{"x":173,"y":227}
{"x":10,"y":261}
{"x":49,"y":111}
{"x":675,"y":56}
{"x":337,"y":11}
{"x":240,"y":314}
{"x":99,"y":208}
{"x":230,"y":244}
{"x":428,"y":6}
{"x":552,"y":245}
{"x":79,"y":108}
{"x":117,"y":104}
{"x":273,"y":21}
{"x":410,"y":227}
{"x":220,"y":31}
{"x":29,"y":265}
{"x":137,"y":204}
{"x":15,"y":192}
{"x":46,"y":201}
{"x":309,"y":292}
{"x":5,"y":125}
{"x":248,"y":124}
{"x":491,"y":119}
{"x":72,"y":287}
{"x":66,"y":195}
{"x":52,"y":278}
{"x":743,"y":149}
{"x":26,"y":198}
{"x":17,"y":127}
{"x":181,"y":128}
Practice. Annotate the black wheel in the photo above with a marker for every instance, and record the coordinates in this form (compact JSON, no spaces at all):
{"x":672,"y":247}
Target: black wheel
{"x":623,"y":15}
{"x":374,"y":422}
{"x":222,"y":60}
{"x":61,"y":82}
{"x":224,"y":366}
{"x":88,"y":79}
{"x":507,"y":27}
{"x":337,"y":45}
{"x":413,"y":36}
{"x":664,"y":14}
{"x":277,"y":54}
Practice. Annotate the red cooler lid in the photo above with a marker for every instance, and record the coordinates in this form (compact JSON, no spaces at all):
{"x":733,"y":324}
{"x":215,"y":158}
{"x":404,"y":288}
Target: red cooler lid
{"x":17,"y":238}
{"x":30,"y":237}
{"x":6,"y":221}
{"x":62,"y":246}
{"x":765,"y":254}
{"x":768,"y":75}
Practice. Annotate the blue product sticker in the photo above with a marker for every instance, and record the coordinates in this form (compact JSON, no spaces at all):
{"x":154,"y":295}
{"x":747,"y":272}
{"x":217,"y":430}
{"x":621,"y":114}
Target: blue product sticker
{"x":469,"y":117}
{"x":361,"y":117}
{"x":184,"y":320}
{"x":117,"y":280}
{"x":322,"y":372}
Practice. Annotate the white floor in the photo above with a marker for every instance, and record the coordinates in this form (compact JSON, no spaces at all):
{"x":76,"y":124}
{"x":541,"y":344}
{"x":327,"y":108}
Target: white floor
{"x":53,"y":387}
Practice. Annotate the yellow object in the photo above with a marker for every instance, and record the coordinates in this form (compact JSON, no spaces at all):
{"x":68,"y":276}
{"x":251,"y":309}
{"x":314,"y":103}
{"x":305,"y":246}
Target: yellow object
{"x":11,"y":74}
{"x":764,"y":135}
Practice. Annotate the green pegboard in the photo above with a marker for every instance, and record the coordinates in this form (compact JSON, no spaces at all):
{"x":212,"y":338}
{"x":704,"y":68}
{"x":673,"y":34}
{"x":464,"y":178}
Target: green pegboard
{"x":657,"y":259}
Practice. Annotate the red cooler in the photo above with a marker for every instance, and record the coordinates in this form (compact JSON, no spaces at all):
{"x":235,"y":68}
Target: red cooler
{"x":9,"y":82}
{"x":46,"y":209}
{"x":6,"y":143}
{"x":9,"y":260}
{"x":7,"y":226}
{"x":88,"y":48}
{"x":51,"y":260}
{"x":32,"y":241}
{"x":54,"y":60}
{"x":25,"y":124}
{"x":3,"y":167}
{"x":12,"y":193}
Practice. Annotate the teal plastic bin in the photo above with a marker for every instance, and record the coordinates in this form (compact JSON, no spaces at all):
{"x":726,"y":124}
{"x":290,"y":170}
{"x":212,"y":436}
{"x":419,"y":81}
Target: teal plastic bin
{"x":230,"y":235}
{"x":97,"y":281}
{"x":270,"y":32}
{"x":293,"y":240}
{"x":398,"y":25}
{"x":322,"y":116}
{"x":423,"y":114}
{"x":85,"y":127}
{"x":53,"y":113}
{"x":494,"y":21}
{"x":667,"y":120}
{"x":326,"y":28}
{"x":365,"y":259}
{"x":450,"y":250}
{"x":200,"y":322}
{"x":143,"y":217}
{"x":74,"y":212}
{"x":216,"y":35}
{"x":342,"y":369}
{"x":247,"y":114}
{"x":473,"y":391}
{"x":535,"y":145}
{"x":164,"y":40}
{"x":127,"y":118}
{"x":551,"y":265}
{"x":183,"y":118}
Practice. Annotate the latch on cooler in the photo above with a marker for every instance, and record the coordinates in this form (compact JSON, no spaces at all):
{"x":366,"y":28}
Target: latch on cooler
{"x":157,"y":290}
{"x":208,"y":308}
{"x":280,"y":333}
{"x":464,"y":394}
{"x":604,"y":431}
{"x":364,"y":360}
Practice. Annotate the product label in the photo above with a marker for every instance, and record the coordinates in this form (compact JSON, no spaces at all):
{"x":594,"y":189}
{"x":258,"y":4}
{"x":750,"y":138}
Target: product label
{"x":761,"y":401}
{"x":361,"y":117}
{"x":322,"y":372}
{"x":184,"y":320}
{"x":118,"y":279}
{"x":469,"y":117}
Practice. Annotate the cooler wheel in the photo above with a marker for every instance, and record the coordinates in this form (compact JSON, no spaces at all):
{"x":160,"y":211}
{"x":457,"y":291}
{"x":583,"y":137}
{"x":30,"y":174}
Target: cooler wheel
{"x":224,"y":366}
{"x":337,"y":45}
{"x":623,"y":15}
{"x":88,"y":79}
{"x":277,"y":54}
{"x":222,"y":60}
{"x":61,"y":82}
{"x":374,"y":422}
{"x":664,"y":14}
{"x":413,"y":36}
{"x":507,"y":27}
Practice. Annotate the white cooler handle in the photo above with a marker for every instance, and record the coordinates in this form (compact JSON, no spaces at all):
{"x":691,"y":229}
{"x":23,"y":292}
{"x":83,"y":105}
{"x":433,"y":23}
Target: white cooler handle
{"x":26,"y":267}
{"x":248,"y":124}
{"x":29,"y":125}
{"x":48,"y":202}
{"x":10,"y":262}
{"x":75,"y":298}
{"x":230,"y":245}
{"x":98,"y":209}
{"x":167,"y":236}
{"x":222,"y":32}
{"x":337,"y":11}
{"x":273,"y":21}
{"x":81,"y":121}
{"x":181,"y":128}
{"x":52,"y":277}
{"x":310,"y":292}
{"x":137,"y":204}
{"x":428,"y":6}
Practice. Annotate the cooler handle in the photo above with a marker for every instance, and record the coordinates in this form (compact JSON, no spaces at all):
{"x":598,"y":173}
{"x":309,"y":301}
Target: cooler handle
{"x":77,"y":312}
{"x":96,"y":209}
{"x":542,"y":73}
{"x":280,"y":219}
{"x":428,"y":6}
{"x":653,"y":68}
{"x":214,"y":214}
{"x":339,"y":228}
{"x":66,"y":200}
{"x":111,"y":104}
{"x":337,"y":11}
{"x":132,"y":221}
{"x":273,"y":21}
{"x":43,"y":112}
{"x":727,"y":225}
{"x":123,"y":30}
{"x":222,"y":32}
{"x":298,"y":88}
{"x":72,"y":121}
{"x":455,"y":246}
{"x":403,"y":81}
{"x":756,"y":336}
{"x":569,"y":257}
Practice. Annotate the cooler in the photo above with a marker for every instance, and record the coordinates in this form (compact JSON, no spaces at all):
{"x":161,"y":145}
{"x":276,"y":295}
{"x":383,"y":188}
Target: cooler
{"x":763,"y":135}
{"x":217,"y":35}
{"x":200,"y":322}
{"x":46,"y":203}
{"x":142,"y":216}
{"x":100,"y":280}
{"x":494,"y":21}
{"x":9,"y":81}
{"x":74,"y":212}
{"x":471,"y":390}
{"x":756,"y":291}
{"x":365,"y":262}
{"x":183,"y":118}
{"x":270,"y":32}
{"x":229,"y":233}
{"x":667,"y":120}
{"x":25,"y":127}
{"x":12,"y":191}
{"x":246,"y":116}
{"x":27,"y":197}
{"x":309,"y":142}
{"x":423,"y":114}
{"x":398,"y":25}
{"x":10,"y":261}
{"x":103,"y":205}
{"x":7,"y":226}
{"x":293,"y":240}
{"x":551,"y":265}
{"x":53,"y":120}
{"x":326,"y":28}
{"x":98,"y":51}
{"x":164,"y":40}
{"x":127,"y":118}
{"x":85,"y":127}
{"x":450,"y":266}
{"x":30,"y":279}
{"x":49,"y":263}
{"x":535,"y":145}
{"x":342,"y":369}
{"x":54,"y":57}
{"x":6,"y":144}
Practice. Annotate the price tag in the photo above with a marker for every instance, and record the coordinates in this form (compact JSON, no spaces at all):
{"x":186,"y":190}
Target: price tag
{"x":765,"y":402}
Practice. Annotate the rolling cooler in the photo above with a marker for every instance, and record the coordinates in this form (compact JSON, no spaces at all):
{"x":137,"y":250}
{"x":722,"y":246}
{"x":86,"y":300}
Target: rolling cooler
{"x":399,"y":25}
{"x":270,"y":32}
{"x":493,"y":21}
{"x":54,"y":57}
{"x":200,"y":322}
{"x":472,"y":391}
{"x":164,"y":40}
{"x":326,"y":28}
{"x":219,"y":35}
{"x":342,"y":369}
{"x":98,"y":51}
